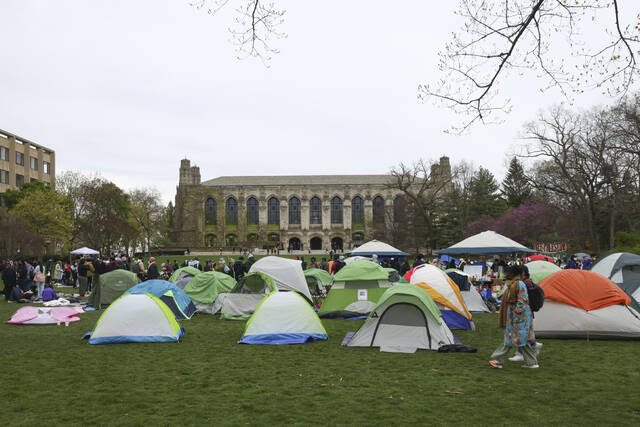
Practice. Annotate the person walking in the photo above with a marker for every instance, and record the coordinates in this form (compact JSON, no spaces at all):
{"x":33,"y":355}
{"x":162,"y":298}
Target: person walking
{"x":515,"y":317}
{"x":526,"y":278}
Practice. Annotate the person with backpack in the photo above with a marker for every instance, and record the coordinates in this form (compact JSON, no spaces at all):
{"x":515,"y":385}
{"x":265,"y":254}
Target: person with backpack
{"x":536,"y":300}
{"x":515,"y":317}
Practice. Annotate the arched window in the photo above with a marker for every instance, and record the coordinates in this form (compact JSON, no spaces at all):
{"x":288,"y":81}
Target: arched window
{"x":400,"y":210}
{"x":357,"y":211}
{"x":231,"y":209}
{"x":210,"y":211}
{"x":294,"y":210}
{"x":315,"y":211}
{"x":210,"y":240}
{"x":252,"y":211}
{"x":378,"y":210}
{"x":273,"y":206}
{"x":336,"y":210}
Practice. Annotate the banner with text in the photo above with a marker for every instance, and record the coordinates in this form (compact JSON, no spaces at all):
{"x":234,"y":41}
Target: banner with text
{"x":551,"y":247}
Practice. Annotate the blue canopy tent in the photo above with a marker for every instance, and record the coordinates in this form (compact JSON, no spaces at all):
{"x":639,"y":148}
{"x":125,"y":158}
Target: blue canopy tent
{"x":487,"y":242}
{"x":380,"y":249}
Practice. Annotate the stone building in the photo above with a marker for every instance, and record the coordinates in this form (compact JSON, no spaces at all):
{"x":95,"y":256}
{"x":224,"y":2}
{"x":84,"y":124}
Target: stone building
{"x":317,"y":212}
{"x":23,"y":161}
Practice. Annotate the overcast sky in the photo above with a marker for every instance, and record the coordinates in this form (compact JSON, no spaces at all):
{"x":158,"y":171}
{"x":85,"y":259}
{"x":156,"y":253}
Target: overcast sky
{"x":128,"y":88}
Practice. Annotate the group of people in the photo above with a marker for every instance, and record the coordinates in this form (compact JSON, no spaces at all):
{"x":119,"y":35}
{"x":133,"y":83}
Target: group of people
{"x":25,"y":280}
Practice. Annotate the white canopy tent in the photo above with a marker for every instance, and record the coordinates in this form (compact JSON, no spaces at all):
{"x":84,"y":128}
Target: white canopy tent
{"x":286,"y":273}
{"x":85,"y":251}
{"x":375,"y":247}
{"x":487,"y":242}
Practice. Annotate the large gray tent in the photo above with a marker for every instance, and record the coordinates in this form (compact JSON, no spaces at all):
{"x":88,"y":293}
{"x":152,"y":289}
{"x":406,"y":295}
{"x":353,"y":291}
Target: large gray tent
{"x":620,"y":267}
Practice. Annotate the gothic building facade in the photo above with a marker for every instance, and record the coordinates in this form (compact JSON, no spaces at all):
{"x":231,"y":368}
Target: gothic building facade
{"x":318,"y":212}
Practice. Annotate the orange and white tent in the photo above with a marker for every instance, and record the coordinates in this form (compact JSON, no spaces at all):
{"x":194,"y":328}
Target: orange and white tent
{"x":584,"y":304}
{"x":444,"y":292}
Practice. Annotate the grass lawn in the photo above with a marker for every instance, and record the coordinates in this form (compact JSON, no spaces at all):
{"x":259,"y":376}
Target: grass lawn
{"x":53,"y":376}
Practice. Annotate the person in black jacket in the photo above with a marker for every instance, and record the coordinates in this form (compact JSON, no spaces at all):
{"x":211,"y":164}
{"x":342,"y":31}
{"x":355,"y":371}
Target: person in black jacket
{"x":238,"y":268}
{"x":9,"y":278}
{"x":152,"y":270}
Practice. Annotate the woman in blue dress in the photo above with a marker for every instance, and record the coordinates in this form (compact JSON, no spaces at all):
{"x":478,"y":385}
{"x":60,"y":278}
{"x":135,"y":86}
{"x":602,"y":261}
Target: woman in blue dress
{"x":516,"y":319}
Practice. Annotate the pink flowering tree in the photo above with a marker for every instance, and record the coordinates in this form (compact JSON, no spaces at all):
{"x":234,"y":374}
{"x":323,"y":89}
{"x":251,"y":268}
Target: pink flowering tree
{"x":524,"y":224}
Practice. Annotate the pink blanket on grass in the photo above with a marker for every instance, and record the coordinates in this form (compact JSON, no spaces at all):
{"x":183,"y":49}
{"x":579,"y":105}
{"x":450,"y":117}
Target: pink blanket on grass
{"x":45,"y":315}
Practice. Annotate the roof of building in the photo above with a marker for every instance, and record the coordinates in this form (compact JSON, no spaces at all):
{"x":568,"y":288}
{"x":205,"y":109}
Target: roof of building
{"x":299,"y":180}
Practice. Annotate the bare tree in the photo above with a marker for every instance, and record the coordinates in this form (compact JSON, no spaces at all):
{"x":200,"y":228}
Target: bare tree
{"x":424,"y":185}
{"x":499,"y":36}
{"x":255,"y":26}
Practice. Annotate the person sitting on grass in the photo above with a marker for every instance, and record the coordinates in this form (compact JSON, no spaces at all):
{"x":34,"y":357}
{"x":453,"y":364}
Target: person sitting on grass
{"x":15,"y":294}
{"x":49,"y":294}
{"x":515,"y":317}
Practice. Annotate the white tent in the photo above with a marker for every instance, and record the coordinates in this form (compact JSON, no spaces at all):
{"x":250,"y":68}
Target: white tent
{"x":375,"y":247}
{"x":353,"y":258}
{"x":286,"y":273}
{"x":487,"y":242}
{"x":84,"y":251}
{"x":620,"y":267}
{"x":283,"y":318}
{"x":136,"y":318}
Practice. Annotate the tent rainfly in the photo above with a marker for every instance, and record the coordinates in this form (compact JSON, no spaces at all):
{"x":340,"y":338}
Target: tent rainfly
{"x":84,"y":251}
{"x":286,"y":273}
{"x":620,"y":267}
{"x":375,"y":247}
{"x":487,"y":242}
{"x":583,"y":304}
{"x":356,"y":290}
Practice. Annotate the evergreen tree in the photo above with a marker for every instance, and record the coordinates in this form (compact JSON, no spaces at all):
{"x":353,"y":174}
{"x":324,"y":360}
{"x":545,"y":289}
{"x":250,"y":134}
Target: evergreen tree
{"x":484,"y":196}
{"x":515,"y":187}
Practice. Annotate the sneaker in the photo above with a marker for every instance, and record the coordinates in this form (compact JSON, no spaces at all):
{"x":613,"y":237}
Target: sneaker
{"x":495,"y":364}
{"x":536,"y":366}
{"x":538,"y":346}
{"x":517,"y":358}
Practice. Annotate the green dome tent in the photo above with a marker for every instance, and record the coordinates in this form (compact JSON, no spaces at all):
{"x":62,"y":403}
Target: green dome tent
{"x":182,"y":272}
{"x":205,"y":289}
{"x":356,"y":289}
{"x":320,"y":275}
{"x":404,"y":320}
{"x":110,"y":286}
{"x":242,"y":301}
{"x":317,"y":279}
{"x":538,"y":270}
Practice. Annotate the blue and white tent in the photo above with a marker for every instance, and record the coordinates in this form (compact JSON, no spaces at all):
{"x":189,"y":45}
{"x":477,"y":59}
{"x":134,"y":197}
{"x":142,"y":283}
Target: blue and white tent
{"x":174,"y":297}
{"x":283,"y":318}
{"x":136,"y":318}
{"x":486,"y":243}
